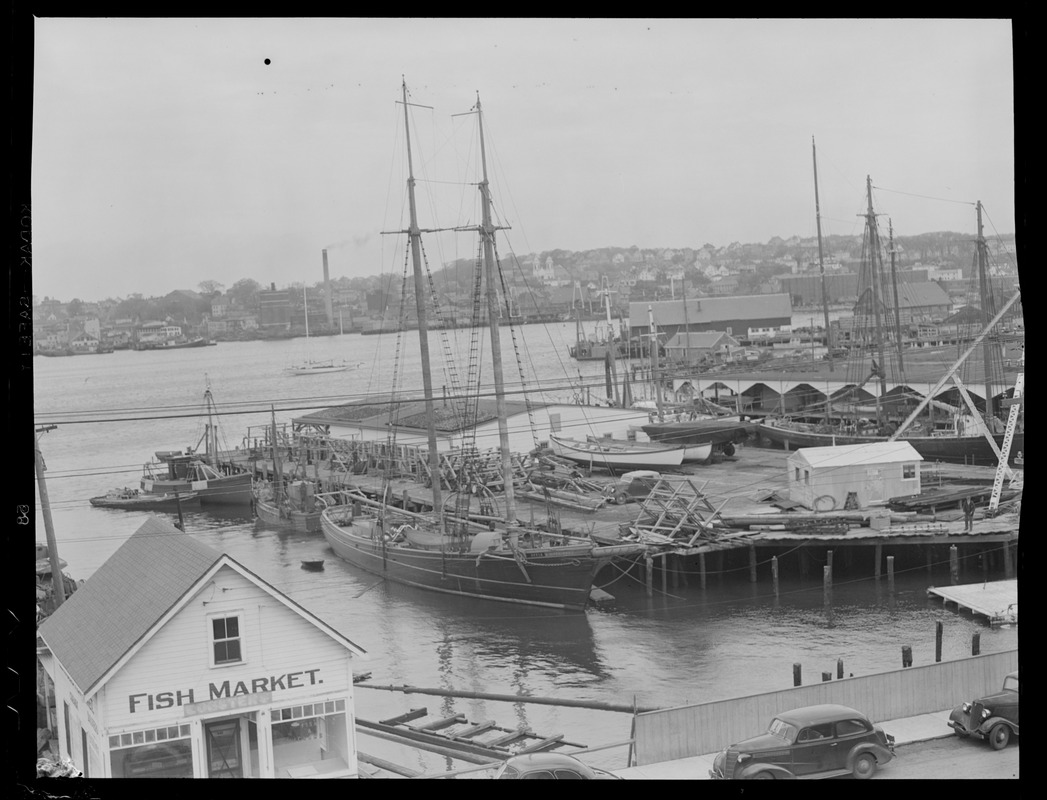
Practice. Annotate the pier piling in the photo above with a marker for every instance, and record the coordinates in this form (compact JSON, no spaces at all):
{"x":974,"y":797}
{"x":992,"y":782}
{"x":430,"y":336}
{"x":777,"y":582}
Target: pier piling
{"x":954,"y":564}
{"x":878,"y":557}
{"x":976,"y":644}
{"x":701,"y":568}
{"x":774,"y":574}
{"x":1008,"y":566}
{"x":906,"y":656}
{"x":839,"y":668}
{"x":890,"y":573}
{"x":938,"y":641}
{"x":752,"y":564}
{"x":827,"y":584}
{"x":649,"y":561}
{"x":796,"y":674}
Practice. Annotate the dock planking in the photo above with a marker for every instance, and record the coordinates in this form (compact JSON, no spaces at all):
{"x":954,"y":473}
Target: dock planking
{"x":997,"y":600}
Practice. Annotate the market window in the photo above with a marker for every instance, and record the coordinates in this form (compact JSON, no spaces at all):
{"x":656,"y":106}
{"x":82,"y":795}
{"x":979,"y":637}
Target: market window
{"x":908,"y":471}
{"x":225,"y":639}
{"x":157,"y":753}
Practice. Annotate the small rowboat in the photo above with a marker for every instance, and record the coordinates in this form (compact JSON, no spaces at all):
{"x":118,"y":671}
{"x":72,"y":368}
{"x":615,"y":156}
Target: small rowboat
{"x":137,"y":500}
{"x":313,"y":566}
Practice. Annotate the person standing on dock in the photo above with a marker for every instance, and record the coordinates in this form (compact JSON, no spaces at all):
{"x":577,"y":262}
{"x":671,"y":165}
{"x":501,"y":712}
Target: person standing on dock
{"x":968,"y":513}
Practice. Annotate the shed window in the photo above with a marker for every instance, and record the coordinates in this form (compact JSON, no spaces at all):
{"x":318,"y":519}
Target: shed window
{"x":225,"y":632}
{"x":796,"y":477}
{"x":908,"y":471}
{"x":807,"y":477}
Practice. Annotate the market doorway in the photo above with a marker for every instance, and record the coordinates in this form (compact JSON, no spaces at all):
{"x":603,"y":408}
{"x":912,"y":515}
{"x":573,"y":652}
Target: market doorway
{"x":224,"y":758}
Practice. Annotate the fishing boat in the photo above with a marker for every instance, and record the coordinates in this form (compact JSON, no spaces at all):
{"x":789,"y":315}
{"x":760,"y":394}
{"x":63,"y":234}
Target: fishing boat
{"x":442,"y":550}
{"x":954,"y":432}
{"x":182,"y":472}
{"x":285,"y":503}
{"x":604,"y":344}
{"x":309,"y":366}
{"x":721,"y":434}
{"x":130,"y":499}
{"x":618,"y":454}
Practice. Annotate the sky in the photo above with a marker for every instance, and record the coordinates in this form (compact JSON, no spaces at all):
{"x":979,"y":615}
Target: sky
{"x":168,"y":152}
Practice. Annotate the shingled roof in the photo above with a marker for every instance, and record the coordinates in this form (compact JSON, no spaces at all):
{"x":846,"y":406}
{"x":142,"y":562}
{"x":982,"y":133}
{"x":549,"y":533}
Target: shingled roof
{"x":106,"y":616}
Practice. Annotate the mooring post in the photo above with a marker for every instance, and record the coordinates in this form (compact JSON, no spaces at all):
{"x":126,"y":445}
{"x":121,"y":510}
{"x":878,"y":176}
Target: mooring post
{"x":752,"y":564}
{"x":839,"y":668}
{"x":774,"y":574}
{"x":906,"y":656}
{"x":954,"y":564}
{"x":701,"y":568}
{"x":890,"y":573}
{"x":878,"y":558}
{"x":827,"y":584}
{"x":976,"y":644}
{"x":796,"y":674}
{"x":829,"y":559}
{"x":938,"y":641}
{"x":650,"y":575}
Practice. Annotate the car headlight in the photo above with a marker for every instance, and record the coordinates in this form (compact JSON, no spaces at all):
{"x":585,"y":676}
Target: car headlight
{"x":966,"y":708}
{"x":985,"y":713}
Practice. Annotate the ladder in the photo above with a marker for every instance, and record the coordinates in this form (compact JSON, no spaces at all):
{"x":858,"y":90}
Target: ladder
{"x":1002,"y":470}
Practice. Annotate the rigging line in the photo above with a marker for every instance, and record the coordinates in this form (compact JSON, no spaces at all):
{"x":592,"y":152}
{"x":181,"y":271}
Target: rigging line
{"x":925,"y":197}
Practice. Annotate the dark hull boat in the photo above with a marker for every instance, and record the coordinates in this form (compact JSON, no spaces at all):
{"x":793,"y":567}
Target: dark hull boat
{"x":555,"y":574}
{"x":285,"y":516}
{"x":974,"y":450}
{"x":723,"y":435}
{"x":135,"y":500}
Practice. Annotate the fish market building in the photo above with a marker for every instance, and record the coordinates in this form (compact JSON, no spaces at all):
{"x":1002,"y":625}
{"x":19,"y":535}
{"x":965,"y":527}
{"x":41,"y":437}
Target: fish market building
{"x":175,"y":660}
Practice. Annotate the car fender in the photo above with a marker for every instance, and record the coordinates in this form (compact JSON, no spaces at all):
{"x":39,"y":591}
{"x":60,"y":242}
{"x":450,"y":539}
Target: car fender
{"x":780,"y":773}
{"x":881,"y":753}
{"x":991,"y":723}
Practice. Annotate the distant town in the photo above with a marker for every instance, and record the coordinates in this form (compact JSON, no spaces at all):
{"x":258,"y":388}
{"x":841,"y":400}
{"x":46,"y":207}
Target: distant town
{"x":552,"y":285}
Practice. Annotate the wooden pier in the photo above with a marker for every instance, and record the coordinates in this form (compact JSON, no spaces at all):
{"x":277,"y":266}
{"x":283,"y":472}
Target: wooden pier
{"x":997,"y":601}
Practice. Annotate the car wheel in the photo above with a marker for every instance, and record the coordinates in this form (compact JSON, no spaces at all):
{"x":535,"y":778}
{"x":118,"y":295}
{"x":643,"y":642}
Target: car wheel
{"x":864,"y":766}
{"x":999,"y":736}
{"x":763,"y":776}
{"x":728,"y":449}
{"x":621,"y":498}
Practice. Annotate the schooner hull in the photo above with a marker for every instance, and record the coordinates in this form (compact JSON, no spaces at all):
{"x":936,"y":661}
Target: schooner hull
{"x":226,"y":490}
{"x":972,"y":450}
{"x":301,"y":521}
{"x":544,"y":578}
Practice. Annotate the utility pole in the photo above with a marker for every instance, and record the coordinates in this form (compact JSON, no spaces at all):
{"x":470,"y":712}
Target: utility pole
{"x":49,"y":529}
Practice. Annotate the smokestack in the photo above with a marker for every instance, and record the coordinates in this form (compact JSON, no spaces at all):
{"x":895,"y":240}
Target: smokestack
{"x":327,"y":292}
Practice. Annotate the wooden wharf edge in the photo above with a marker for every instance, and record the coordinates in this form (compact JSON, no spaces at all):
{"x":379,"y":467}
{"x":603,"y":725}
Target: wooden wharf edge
{"x":995,"y":600}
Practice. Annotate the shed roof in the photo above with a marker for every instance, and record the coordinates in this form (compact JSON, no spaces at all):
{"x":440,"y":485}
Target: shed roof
{"x":848,"y":455}
{"x":705,"y":310}
{"x":118,"y":606}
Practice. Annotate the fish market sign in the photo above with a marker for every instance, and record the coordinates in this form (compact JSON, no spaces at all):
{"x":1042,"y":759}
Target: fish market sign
{"x":228,"y":694}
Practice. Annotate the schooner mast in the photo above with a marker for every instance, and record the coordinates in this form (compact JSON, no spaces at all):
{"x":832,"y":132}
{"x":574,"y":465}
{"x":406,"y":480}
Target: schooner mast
{"x":415,"y":234}
{"x":487,"y":230}
{"x":821,"y":261}
{"x":875,"y":276}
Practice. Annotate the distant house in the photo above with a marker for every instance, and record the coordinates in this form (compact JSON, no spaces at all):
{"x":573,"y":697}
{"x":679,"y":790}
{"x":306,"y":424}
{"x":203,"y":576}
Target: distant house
{"x":700,"y":347}
{"x":175,"y":661}
{"x":853,"y":476}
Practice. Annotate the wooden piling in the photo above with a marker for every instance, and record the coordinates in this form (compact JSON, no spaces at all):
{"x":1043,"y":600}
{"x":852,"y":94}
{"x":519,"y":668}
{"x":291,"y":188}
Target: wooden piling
{"x":976,"y":644}
{"x":1008,"y":565}
{"x":649,"y":561}
{"x":701,"y":568}
{"x":906,"y":656}
{"x":938,"y":641}
{"x":954,"y":564}
{"x":890,"y":573}
{"x":665,"y":576}
{"x":796,"y":674}
{"x":752,"y":564}
{"x":829,"y":559}
{"x":878,"y":558}
{"x":827,"y":584}
{"x":774,"y":574}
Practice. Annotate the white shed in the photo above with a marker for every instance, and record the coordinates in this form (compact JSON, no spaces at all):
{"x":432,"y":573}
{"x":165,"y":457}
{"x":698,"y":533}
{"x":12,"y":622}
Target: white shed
{"x":854,"y":475}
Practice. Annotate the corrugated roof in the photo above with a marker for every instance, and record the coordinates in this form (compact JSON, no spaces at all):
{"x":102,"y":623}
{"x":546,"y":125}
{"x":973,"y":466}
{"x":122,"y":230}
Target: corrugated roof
{"x":849,"y":455}
{"x":119,"y":604}
{"x":700,"y":339}
{"x":702,"y":310}
{"x":411,"y":414}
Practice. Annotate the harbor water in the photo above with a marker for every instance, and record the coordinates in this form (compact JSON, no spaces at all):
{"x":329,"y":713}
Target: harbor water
{"x":112,"y":412}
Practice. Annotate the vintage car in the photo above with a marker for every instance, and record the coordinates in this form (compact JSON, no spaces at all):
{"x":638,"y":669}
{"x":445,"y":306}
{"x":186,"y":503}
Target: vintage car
{"x":994,"y":717}
{"x":550,"y":766}
{"x":632,"y":486}
{"x":820,"y":741}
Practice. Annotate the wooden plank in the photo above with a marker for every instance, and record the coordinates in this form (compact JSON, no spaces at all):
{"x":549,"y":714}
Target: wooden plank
{"x":548,"y":743}
{"x":478,"y":728}
{"x":501,"y":741}
{"x":442,"y":723}
{"x":414,"y":713}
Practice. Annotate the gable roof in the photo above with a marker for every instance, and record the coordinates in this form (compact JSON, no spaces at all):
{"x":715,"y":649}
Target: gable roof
{"x":119,"y":606}
{"x":849,"y":455}
{"x":700,"y":340}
